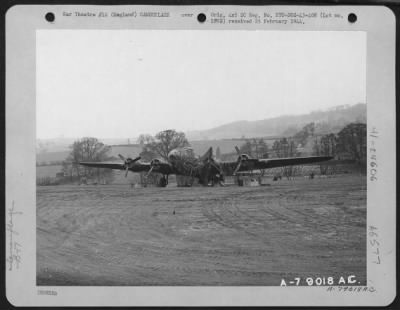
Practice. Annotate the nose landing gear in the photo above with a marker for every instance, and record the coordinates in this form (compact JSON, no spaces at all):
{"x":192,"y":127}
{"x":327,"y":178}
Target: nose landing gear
{"x":163,"y":181}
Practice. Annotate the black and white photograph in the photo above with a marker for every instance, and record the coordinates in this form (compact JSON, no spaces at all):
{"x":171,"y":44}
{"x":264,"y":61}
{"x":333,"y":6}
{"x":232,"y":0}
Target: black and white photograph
{"x":170,"y":155}
{"x":179,"y":159}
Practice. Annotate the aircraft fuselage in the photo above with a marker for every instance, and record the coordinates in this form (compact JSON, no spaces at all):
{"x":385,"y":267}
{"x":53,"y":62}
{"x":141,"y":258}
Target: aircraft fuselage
{"x":184,"y":162}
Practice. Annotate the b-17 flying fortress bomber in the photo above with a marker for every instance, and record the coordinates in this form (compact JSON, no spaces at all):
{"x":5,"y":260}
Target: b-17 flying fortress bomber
{"x":183,"y":161}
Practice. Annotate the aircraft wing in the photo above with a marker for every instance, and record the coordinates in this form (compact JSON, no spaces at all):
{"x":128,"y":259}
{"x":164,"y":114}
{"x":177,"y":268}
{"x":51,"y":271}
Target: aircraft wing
{"x":103,"y":165}
{"x":282,"y":162}
{"x":250,"y":164}
{"x":160,"y":167}
{"x":136,"y":167}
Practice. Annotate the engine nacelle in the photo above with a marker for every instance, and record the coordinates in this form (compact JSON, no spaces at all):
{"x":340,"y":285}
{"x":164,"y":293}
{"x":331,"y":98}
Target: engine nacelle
{"x":155,"y":162}
{"x":244,"y":157}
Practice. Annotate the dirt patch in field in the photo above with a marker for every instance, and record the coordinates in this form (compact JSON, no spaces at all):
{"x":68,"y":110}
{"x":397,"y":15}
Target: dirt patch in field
{"x":115,"y":235}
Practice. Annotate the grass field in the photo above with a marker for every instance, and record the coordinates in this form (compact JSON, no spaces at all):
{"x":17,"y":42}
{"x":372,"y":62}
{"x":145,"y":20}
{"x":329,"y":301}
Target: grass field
{"x":115,"y":235}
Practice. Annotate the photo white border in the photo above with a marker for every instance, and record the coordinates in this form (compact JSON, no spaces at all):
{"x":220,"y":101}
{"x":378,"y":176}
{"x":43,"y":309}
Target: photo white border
{"x":22,"y":21}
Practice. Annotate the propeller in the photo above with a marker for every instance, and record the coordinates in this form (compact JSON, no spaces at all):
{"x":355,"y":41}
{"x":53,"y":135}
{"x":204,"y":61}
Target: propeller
{"x":241,"y":158}
{"x":220,"y":172}
{"x":154,"y":162}
{"x":238,"y":166}
{"x":128,"y":162}
{"x":210,"y":162}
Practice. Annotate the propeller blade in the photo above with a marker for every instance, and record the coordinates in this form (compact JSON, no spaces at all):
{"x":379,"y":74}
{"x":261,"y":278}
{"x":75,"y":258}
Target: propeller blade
{"x":135,"y":159}
{"x":217,"y":167}
{"x":148,"y":173}
{"x":122,"y":157}
{"x":126,"y":171}
{"x":129,"y":161}
{"x":237,"y":167}
{"x":237,"y":150}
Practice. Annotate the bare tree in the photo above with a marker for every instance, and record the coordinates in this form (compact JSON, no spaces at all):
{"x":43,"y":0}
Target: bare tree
{"x":262,"y":149}
{"x":90,"y":149}
{"x":144,"y":139}
{"x":165,"y":141}
{"x":285,"y":147}
{"x":246,"y":148}
{"x":304,"y":134}
{"x":256,"y":148}
{"x":352,"y":142}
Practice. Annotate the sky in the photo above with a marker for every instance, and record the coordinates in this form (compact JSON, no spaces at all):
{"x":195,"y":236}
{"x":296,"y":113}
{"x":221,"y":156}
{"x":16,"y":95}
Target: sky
{"x":122,"y":83}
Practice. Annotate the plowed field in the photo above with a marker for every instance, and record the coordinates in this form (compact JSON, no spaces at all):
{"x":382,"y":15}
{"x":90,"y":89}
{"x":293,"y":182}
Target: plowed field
{"x":115,"y":235}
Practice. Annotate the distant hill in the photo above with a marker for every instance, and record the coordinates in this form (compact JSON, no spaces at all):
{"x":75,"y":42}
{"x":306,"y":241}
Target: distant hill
{"x":227,"y":136}
{"x":331,"y":120}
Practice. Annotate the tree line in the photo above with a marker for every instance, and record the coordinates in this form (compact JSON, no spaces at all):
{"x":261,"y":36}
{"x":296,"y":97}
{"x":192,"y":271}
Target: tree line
{"x":348,"y":144}
{"x":92,"y":150}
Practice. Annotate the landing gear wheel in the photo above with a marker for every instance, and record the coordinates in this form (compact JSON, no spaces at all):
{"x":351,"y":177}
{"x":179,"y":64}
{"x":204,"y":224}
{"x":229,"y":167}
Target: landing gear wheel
{"x":163,"y":181}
